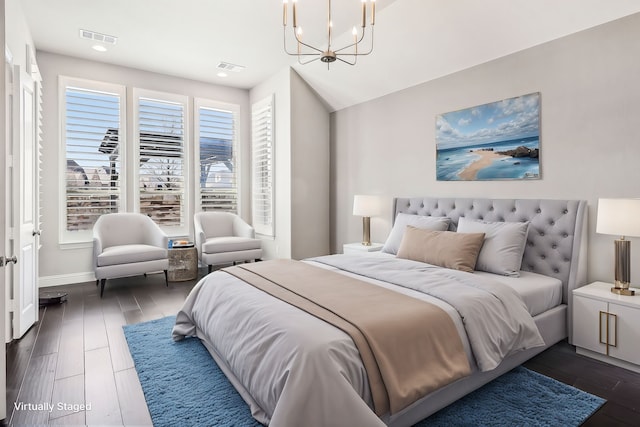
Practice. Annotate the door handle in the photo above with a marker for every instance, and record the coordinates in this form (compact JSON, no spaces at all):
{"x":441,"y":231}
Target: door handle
{"x":35,"y":232}
{"x":5,"y":261}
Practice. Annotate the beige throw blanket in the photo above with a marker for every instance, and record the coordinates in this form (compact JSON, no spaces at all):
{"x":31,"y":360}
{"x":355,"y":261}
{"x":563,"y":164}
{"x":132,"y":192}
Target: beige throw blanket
{"x":409,"y":347}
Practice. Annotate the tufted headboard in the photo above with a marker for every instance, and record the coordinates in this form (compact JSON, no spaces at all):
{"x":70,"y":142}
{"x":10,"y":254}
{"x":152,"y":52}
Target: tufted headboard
{"x":557,"y":239}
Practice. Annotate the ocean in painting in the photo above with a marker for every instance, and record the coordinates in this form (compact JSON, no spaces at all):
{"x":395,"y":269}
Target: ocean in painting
{"x":451,"y":162}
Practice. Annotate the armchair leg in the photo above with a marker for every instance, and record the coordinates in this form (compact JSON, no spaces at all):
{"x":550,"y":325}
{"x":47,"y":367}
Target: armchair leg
{"x":166,"y":278}
{"x":102,"y":283}
{"x":97,"y":282}
{"x":210,"y":268}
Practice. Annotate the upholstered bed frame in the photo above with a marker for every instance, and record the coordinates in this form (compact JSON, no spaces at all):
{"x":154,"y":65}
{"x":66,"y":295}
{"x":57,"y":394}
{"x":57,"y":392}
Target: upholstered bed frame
{"x":556,"y":247}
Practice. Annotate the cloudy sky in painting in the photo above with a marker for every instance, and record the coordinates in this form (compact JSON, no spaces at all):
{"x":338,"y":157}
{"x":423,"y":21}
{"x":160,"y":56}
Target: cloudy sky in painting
{"x":505,"y":120}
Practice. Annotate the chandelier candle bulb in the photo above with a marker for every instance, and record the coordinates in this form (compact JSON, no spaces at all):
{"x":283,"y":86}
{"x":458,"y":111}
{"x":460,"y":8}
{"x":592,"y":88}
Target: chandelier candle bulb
{"x":373,"y":12}
{"x":285,"y":3}
{"x":295,"y":14}
{"x":355,"y":38}
{"x":364,"y":13}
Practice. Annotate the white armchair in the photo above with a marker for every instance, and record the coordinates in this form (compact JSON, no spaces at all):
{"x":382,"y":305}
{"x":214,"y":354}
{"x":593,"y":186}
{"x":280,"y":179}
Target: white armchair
{"x":223,"y":237}
{"x":128,"y":244}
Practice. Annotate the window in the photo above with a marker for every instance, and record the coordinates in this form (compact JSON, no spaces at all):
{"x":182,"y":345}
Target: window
{"x":160,"y":138}
{"x":92,"y":118}
{"x":217,"y":152}
{"x":263,"y":166}
{"x":151,"y":164}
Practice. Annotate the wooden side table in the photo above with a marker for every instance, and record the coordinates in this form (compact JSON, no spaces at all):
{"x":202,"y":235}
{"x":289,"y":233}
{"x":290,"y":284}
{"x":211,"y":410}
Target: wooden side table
{"x":183,"y":264}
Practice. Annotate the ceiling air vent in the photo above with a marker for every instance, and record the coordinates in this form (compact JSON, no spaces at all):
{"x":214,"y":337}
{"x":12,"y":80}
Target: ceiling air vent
{"x":99,"y":37}
{"x":230,"y":67}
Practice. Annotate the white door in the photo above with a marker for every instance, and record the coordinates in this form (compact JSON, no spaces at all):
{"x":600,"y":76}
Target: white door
{"x":24,"y":225}
{"x":5,"y":106}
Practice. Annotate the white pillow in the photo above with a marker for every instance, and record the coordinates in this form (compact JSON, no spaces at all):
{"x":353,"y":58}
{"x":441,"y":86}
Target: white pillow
{"x":435,"y":223}
{"x":503,"y":247}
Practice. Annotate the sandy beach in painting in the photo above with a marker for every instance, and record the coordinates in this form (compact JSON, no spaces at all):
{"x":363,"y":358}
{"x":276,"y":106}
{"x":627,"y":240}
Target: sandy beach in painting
{"x":486,"y":158}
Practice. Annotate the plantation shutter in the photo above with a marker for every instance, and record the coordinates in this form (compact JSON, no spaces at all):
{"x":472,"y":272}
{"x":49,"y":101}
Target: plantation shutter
{"x":92,"y":144}
{"x":262,"y":142}
{"x":218,"y":172}
{"x":161,"y":136}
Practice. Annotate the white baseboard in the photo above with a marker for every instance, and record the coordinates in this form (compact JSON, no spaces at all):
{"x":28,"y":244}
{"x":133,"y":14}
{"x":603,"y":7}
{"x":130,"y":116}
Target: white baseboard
{"x":66,"y":279}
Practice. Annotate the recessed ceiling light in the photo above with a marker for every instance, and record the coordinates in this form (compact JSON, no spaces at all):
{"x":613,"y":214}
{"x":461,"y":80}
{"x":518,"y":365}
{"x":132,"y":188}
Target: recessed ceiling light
{"x":222,"y":74}
{"x":99,"y":48}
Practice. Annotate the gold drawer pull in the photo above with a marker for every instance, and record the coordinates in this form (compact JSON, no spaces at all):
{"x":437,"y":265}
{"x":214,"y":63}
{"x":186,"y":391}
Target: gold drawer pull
{"x":607,"y":340}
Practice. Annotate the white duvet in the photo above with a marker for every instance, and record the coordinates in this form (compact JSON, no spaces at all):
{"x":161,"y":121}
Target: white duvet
{"x":294,"y":369}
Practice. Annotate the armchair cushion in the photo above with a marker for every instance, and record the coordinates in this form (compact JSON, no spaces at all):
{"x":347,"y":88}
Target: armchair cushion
{"x":126,"y":254}
{"x":214,"y":245}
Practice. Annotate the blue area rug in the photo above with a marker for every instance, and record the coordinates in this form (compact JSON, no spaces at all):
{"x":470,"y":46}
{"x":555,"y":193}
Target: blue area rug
{"x":184,"y":386}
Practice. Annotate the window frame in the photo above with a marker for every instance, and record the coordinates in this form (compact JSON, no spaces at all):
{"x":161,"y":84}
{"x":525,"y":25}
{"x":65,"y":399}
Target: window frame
{"x":134,"y":166}
{"x":235,"y":110}
{"x":83,"y":238}
{"x":261,"y":227}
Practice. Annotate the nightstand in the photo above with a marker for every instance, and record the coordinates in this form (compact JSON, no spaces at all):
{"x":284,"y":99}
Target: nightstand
{"x":359,"y":248}
{"x":606,"y":326}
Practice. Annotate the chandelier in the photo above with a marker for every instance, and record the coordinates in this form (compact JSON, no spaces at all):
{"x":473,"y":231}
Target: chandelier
{"x":347,"y":54}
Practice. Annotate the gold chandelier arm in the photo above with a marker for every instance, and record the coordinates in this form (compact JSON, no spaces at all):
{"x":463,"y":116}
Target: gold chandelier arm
{"x":304,"y":44}
{"x":309,"y":61}
{"x":284,"y":40}
{"x":355,"y":44}
{"x":355,"y":59}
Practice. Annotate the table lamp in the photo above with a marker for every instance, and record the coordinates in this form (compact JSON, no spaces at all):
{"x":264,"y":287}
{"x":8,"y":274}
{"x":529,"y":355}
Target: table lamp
{"x":366,"y":207}
{"x":620,"y":217}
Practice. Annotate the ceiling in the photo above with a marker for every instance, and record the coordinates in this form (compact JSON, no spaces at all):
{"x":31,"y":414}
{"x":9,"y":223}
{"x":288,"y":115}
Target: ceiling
{"x":415,"y":40}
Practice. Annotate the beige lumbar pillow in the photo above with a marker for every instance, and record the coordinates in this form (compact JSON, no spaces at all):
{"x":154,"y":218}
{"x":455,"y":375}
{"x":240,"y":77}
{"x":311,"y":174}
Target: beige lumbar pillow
{"x":458,"y":251}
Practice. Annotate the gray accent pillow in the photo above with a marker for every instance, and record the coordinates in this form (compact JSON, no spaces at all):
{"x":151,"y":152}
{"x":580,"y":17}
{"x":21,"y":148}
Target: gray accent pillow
{"x":503,"y":246}
{"x":436,"y":223}
{"x":458,"y":251}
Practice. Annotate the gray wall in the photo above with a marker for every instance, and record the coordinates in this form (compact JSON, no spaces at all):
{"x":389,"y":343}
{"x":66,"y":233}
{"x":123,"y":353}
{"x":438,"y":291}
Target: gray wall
{"x":590,"y":110}
{"x":61,"y":264}
{"x":302,"y":209}
{"x":310,"y":122}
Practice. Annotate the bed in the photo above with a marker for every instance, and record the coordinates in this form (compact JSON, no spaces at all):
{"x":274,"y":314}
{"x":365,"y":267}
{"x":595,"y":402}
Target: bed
{"x":293,"y":368}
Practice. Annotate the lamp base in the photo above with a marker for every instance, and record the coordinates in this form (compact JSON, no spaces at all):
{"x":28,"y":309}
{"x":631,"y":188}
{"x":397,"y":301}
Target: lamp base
{"x":623,"y":291}
{"x":366,"y":231}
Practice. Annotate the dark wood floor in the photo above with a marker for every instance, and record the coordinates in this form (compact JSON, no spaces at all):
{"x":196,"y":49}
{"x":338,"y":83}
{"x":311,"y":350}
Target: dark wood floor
{"x":77,"y":354}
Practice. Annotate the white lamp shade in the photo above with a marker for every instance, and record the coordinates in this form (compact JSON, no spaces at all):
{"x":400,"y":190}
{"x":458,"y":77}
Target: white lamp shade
{"x":620,"y":217}
{"x":366,"y":205}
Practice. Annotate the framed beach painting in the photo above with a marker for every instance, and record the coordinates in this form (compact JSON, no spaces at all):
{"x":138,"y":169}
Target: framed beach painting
{"x":496,"y":141}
